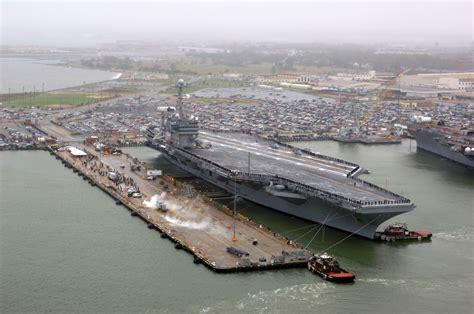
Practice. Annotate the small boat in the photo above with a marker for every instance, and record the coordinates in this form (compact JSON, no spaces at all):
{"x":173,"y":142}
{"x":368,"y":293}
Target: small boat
{"x":327,"y":267}
{"x":399,"y":231}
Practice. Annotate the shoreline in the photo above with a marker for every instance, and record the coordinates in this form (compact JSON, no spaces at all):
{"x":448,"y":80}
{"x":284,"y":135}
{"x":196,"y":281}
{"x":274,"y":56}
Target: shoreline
{"x":15,"y":91}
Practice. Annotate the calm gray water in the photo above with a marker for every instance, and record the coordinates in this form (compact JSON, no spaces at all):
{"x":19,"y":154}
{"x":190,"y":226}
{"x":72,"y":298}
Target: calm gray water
{"x":66,"y":247}
{"x":18,"y":74}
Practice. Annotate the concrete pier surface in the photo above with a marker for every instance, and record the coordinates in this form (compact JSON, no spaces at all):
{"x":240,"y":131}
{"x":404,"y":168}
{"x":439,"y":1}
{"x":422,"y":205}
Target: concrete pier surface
{"x":196,"y":223}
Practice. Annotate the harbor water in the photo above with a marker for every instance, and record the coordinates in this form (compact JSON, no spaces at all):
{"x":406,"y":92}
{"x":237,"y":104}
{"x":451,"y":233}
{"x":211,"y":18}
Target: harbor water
{"x":66,"y":247}
{"x":29,"y":75}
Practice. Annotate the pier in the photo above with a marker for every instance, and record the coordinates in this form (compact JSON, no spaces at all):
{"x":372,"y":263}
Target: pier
{"x":195,"y":223}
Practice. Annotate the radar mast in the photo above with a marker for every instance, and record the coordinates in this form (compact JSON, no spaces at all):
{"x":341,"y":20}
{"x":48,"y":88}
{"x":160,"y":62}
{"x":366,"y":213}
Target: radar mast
{"x":180,"y":83}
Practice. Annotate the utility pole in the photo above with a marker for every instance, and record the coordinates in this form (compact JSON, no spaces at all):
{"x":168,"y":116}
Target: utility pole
{"x":234,"y":237}
{"x":249,"y":164}
{"x":31,"y":95}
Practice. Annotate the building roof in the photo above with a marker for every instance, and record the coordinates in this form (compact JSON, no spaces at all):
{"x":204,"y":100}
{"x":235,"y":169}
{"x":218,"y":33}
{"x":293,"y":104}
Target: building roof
{"x":76,"y":152}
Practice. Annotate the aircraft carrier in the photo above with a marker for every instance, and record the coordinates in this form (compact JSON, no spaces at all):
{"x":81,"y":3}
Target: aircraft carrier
{"x":298,"y":182}
{"x":430,"y":137}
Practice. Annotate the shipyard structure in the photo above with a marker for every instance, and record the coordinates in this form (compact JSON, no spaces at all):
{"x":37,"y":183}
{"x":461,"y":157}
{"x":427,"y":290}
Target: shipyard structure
{"x":297,"y":182}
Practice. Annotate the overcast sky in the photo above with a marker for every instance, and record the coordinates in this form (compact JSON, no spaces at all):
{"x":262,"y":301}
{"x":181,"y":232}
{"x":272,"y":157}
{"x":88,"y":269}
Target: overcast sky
{"x":79,"y":23}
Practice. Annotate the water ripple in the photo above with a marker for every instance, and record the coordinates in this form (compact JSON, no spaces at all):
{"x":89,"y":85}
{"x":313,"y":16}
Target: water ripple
{"x":464,"y":234}
{"x":280,"y":300}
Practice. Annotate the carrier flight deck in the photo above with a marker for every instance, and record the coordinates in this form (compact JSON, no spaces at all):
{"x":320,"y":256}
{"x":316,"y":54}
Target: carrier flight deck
{"x":232,"y":152}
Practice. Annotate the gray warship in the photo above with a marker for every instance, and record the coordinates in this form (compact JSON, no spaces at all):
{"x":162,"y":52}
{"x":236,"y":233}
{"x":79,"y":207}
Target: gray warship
{"x":434,"y":137}
{"x":298,"y":182}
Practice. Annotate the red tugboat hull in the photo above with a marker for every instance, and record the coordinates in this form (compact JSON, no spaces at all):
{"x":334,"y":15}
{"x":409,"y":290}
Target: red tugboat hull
{"x":342,"y":277}
{"x":327,"y":267}
{"x":424,"y":234}
{"x":400,"y":231}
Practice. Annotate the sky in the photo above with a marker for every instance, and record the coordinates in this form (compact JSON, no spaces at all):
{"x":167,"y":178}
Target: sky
{"x":88,"y":22}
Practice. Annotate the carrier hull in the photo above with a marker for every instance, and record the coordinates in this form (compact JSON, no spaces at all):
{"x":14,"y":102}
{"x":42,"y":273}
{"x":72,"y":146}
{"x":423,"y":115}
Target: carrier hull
{"x":433,"y":142}
{"x":362,"y":223}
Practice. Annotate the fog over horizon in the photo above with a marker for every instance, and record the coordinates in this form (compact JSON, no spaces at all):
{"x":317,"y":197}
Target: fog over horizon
{"x":86,"y":23}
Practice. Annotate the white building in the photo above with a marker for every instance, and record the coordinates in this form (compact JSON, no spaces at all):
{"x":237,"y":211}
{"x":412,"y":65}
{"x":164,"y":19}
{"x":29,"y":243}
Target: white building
{"x":408,"y":104}
{"x":299,"y":86}
{"x":232,"y":75}
{"x":356,"y":76}
{"x":285,"y":78}
{"x":466,"y":84}
{"x":452,"y":81}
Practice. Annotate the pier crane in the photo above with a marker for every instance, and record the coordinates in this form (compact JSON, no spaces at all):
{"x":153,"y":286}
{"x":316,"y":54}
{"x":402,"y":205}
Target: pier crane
{"x":380,"y":97}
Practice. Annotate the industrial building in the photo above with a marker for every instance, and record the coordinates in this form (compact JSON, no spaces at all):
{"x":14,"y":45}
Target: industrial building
{"x":356,"y":76}
{"x":450,"y":81}
{"x":284,"y":78}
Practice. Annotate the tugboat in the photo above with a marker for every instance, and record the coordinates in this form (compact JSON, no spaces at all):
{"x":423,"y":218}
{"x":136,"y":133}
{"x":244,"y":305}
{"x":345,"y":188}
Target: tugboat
{"x":327,"y":267}
{"x":399,"y":231}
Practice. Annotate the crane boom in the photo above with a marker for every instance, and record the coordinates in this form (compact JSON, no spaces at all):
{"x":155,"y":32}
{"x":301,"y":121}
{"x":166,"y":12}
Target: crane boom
{"x":381,"y":96}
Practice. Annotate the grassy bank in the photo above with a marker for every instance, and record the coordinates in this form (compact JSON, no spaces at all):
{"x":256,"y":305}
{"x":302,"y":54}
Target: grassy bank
{"x":53,"y":100}
{"x":64,"y":98}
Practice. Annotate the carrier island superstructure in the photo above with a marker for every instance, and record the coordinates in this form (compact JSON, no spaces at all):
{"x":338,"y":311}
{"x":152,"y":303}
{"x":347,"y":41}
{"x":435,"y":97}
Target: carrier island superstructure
{"x":294,"y":181}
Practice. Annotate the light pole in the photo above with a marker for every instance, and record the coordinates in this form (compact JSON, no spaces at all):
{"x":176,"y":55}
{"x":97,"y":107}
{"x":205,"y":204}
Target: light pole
{"x":249,"y":164}
{"x":234,"y":237}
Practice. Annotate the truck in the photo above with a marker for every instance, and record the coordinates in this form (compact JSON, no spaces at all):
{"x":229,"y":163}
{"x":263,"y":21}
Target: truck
{"x":152,"y":174}
{"x":112,"y":176}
